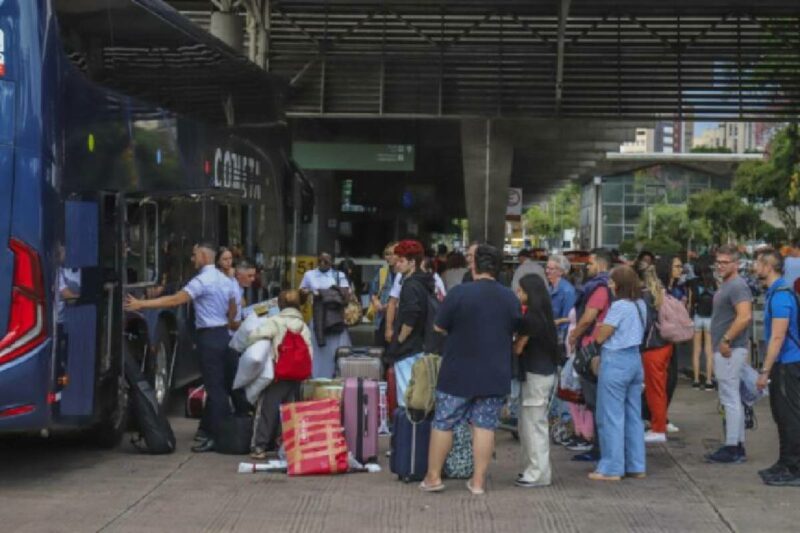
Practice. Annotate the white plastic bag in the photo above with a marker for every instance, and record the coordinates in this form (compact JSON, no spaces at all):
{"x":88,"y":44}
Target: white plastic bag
{"x":747,"y":386}
{"x":252,"y":363}
{"x":569,"y":378}
{"x":253,"y":390}
{"x":248,"y":325}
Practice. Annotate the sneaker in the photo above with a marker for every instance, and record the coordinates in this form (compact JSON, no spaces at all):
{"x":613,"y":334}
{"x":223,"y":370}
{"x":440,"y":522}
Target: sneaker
{"x":783,"y":479}
{"x":696,"y":385}
{"x":571,"y":442}
{"x":672,"y":428}
{"x":529,"y":484}
{"x":580,"y":445}
{"x":258,"y":453}
{"x":749,"y":417}
{"x":772,"y":470}
{"x":200,"y":436}
{"x":651,"y":437}
{"x":710,"y":386}
{"x":727,"y":455}
{"x":587,"y":457}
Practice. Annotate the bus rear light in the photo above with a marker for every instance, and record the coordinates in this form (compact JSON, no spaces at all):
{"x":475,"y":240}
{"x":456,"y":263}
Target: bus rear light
{"x":26,"y":328}
{"x":16,"y":411}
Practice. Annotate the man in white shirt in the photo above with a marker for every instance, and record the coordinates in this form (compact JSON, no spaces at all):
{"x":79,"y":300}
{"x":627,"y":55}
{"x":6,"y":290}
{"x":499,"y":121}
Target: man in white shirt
{"x":215,"y":306}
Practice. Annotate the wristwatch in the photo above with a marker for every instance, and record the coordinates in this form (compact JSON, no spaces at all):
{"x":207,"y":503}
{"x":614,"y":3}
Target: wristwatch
{"x":764,"y":371}
{"x":726,"y":339}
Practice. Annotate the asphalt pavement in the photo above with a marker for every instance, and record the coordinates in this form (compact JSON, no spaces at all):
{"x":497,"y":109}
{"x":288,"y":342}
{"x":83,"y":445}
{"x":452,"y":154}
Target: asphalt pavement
{"x":64,"y":485}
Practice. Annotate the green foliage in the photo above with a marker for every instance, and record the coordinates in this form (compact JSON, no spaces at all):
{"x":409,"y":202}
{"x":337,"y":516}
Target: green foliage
{"x":539,"y":222}
{"x":662,"y":245}
{"x":775,"y":181}
{"x":628,"y":247}
{"x":561,"y":212}
{"x":670,"y":224}
{"x":726,"y":215}
{"x":711,"y":150}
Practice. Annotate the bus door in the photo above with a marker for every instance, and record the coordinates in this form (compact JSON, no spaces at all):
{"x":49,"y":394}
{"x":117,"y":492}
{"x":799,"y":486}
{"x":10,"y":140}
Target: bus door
{"x":89,"y":358}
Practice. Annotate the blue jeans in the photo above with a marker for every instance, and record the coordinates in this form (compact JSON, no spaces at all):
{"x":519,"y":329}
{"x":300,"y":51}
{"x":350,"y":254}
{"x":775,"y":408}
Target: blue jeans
{"x":619,"y":412}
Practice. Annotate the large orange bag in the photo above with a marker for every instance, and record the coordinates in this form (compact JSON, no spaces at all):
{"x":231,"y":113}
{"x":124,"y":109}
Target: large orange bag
{"x":313,"y":438}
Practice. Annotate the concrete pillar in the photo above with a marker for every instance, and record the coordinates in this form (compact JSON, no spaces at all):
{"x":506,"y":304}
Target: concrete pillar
{"x":487,"y":154}
{"x":228,"y":28}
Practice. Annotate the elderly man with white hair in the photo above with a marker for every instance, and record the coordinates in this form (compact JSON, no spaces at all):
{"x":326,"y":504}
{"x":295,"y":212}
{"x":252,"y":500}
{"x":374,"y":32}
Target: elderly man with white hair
{"x":562,"y":293}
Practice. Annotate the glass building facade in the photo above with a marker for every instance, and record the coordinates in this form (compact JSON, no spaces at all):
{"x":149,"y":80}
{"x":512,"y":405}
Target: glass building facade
{"x":625,"y":197}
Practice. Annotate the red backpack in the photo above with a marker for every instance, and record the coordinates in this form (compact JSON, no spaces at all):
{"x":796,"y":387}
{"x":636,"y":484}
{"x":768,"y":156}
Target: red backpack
{"x":294,"y":359}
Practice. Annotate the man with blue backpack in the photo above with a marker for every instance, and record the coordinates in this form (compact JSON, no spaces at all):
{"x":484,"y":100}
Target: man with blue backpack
{"x":781,"y":369}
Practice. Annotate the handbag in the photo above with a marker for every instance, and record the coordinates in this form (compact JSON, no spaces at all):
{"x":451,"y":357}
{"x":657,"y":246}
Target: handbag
{"x":353,"y":312}
{"x":583,"y":360}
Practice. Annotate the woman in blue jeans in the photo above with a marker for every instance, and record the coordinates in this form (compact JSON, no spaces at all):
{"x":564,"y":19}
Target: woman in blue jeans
{"x":619,"y":383}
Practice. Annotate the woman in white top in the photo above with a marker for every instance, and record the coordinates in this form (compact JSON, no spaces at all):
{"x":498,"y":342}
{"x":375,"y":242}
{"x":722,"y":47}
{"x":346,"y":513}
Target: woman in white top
{"x":321,"y":278}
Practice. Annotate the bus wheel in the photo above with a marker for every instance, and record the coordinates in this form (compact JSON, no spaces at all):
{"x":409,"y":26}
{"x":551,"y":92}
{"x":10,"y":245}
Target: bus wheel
{"x":159,"y":365}
{"x":108,"y":433}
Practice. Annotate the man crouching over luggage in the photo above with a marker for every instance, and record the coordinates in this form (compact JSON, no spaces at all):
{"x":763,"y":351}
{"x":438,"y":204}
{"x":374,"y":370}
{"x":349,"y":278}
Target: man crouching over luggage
{"x":292,"y":354}
{"x":480,"y":320}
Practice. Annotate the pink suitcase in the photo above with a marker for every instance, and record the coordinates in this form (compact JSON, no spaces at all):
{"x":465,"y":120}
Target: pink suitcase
{"x":360,"y":417}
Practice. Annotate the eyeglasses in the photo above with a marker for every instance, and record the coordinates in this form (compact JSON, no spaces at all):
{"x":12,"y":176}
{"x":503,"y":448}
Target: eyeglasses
{"x":720,"y":263}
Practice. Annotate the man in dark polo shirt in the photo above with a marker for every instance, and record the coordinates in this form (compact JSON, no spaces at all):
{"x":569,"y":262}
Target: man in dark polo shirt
{"x":480,"y":320}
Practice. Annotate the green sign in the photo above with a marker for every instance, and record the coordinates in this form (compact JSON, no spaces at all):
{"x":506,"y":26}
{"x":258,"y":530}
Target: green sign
{"x":350,"y":156}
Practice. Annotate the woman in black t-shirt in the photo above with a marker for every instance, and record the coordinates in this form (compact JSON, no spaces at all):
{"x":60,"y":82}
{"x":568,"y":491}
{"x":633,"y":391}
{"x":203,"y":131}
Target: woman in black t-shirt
{"x":537,"y":348}
{"x":703,"y":288}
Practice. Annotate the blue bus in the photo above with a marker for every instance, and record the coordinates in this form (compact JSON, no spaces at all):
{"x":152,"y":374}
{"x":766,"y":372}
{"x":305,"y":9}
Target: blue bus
{"x":103,"y":193}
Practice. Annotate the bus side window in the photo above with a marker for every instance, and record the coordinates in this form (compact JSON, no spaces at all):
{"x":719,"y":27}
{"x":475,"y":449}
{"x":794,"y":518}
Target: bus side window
{"x":142,"y":236}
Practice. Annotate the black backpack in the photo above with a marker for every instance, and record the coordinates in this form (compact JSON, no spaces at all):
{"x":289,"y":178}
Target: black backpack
{"x":433,"y":341}
{"x":704,"y":305}
{"x":155,"y":434}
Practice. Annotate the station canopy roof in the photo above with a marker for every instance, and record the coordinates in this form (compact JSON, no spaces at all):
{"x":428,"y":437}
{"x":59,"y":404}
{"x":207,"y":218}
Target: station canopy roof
{"x":146,"y":49}
{"x":578,"y":75}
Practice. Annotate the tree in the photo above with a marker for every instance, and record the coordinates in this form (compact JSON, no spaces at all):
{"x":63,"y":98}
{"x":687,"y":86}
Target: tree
{"x":560,"y":212}
{"x":725,"y":215}
{"x":711,"y":150}
{"x":775,"y":181}
{"x":539,"y":222}
{"x":664,"y":227}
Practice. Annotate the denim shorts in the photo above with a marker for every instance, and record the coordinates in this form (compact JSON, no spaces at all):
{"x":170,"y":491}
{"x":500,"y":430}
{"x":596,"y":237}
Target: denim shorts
{"x":702,"y":323}
{"x":482,"y":412}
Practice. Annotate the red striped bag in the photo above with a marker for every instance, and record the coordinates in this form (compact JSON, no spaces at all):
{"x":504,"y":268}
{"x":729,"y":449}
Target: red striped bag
{"x":313,"y":438}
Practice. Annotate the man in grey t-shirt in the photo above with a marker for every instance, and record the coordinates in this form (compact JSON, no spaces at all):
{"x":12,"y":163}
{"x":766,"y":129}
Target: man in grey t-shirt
{"x":730,"y":335}
{"x":526,"y":266}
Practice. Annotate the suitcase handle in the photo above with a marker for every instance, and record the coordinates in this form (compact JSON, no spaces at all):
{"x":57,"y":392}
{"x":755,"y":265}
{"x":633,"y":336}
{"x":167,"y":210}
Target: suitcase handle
{"x":366,"y":414}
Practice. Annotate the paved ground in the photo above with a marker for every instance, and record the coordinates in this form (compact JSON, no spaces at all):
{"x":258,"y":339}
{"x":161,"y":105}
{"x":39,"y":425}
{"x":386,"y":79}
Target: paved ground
{"x":65,"y":486}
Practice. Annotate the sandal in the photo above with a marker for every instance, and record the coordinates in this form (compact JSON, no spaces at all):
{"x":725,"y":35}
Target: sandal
{"x":474,"y":491}
{"x":431,"y":488}
{"x":597,"y":476}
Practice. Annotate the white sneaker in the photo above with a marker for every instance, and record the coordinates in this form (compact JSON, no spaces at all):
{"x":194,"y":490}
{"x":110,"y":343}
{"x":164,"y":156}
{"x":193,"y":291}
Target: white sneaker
{"x":672,"y":428}
{"x":651,"y":437}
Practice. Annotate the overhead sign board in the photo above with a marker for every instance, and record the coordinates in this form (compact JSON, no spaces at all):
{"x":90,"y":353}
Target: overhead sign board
{"x":514,"y":205}
{"x":354,"y":156}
